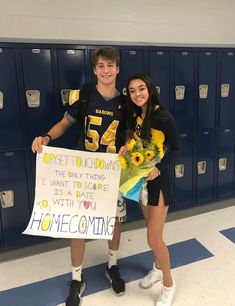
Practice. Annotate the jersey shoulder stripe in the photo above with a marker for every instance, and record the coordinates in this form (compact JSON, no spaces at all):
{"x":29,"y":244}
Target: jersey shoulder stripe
{"x":74,"y":96}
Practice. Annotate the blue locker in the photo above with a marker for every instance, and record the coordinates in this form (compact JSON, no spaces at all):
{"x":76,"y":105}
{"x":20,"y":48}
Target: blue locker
{"x":1,"y":237}
{"x":183,"y":174}
{"x":71,"y":67}
{"x":184,"y":64}
{"x":225,"y":163}
{"x":11,"y":128}
{"x":160,"y":73}
{"x":227,"y":90}
{"x":206,"y":104}
{"x":42,"y":112}
{"x":132,"y":61}
{"x":14,"y":204}
{"x":204,"y":167}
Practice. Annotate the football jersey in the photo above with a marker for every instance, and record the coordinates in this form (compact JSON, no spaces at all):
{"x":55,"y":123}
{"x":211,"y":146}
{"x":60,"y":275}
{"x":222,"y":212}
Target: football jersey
{"x":104,"y":120}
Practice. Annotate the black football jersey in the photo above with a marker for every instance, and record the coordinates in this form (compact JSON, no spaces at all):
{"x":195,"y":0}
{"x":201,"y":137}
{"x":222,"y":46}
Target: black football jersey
{"x":104,"y":121}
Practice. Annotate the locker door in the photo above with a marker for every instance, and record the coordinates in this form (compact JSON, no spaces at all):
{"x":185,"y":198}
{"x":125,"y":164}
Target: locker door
{"x":184,"y":89}
{"x":1,"y":237}
{"x":11,"y":129}
{"x":206,"y":90}
{"x":159,"y":71}
{"x":205,"y":156}
{"x":71,"y":67}
{"x":225,"y":163}
{"x":14,"y":199}
{"x":227,"y":89}
{"x":132,"y":61}
{"x":183,"y":182}
{"x":42,"y":110}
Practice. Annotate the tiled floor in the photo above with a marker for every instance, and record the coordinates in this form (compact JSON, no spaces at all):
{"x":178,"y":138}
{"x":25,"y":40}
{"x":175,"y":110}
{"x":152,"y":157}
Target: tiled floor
{"x":202,"y":248}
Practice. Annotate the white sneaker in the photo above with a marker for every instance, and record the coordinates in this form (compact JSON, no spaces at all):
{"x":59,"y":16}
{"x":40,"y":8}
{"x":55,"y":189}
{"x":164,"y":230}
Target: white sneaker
{"x":166,"y":296}
{"x":151,"y":278}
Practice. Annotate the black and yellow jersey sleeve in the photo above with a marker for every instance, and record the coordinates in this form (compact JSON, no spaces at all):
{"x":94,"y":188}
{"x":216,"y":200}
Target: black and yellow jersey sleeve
{"x":77,"y":103}
{"x":164,"y":129}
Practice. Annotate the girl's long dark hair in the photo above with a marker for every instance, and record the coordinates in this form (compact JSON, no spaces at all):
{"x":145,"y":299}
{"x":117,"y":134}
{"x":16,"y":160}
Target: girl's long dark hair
{"x":133,"y":110}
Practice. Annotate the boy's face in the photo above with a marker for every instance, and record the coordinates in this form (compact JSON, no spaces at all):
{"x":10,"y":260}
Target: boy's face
{"x":106,"y":71}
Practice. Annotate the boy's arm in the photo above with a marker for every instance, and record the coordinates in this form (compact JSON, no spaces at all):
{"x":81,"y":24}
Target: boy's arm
{"x":55,"y":132}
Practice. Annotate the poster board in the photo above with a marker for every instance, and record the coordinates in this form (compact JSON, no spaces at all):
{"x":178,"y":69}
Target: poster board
{"x":76,"y":194}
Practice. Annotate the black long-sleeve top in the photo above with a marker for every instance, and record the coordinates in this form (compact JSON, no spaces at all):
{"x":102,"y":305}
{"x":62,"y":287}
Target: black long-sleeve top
{"x":164,"y":133}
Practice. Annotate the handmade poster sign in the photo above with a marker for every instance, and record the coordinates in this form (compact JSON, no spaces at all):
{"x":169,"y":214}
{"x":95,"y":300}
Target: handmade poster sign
{"x":76,"y":194}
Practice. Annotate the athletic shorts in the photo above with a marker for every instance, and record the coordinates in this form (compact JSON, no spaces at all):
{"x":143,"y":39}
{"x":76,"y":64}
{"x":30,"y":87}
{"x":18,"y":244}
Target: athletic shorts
{"x":121,"y":209}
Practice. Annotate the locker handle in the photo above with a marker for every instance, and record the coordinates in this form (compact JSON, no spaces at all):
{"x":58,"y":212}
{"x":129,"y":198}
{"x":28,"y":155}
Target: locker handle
{"x":222,"y":164}
{"x":124,"y":92}
{"x":33,"y":98}
{"x":65,"y":95}
{"x":224,"y":90}
{"x":179,"y":92}
{"x":203,"y":91}
{"x":201,"y":167}
{"x":158,"y":89}
{"x":179,"y":170}
{"x":1,"y":100}
{"x":7,"y":198}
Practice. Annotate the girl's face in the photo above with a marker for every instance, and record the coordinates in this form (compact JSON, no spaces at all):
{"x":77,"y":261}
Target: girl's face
{"x":106,"y":71}
{"x":138,"y":93}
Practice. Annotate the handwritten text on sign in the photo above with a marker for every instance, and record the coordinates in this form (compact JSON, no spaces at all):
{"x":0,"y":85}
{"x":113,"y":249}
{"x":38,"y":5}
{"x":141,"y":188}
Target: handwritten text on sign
{"x":76,"y":194}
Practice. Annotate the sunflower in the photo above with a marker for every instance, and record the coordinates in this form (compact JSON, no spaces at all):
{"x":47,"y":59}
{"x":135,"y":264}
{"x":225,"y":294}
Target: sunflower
{"x":149,"y":154}
{"x":123,"y":162}
{"x":137,"y":158}
{"x":131,"y":144}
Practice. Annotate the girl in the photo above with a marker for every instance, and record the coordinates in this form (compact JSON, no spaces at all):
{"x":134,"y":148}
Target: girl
{"x":150,"y":121}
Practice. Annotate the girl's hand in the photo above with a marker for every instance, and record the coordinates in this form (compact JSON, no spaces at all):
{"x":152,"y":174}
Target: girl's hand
{"x":153,"y":174}
{"x":122,"y":150}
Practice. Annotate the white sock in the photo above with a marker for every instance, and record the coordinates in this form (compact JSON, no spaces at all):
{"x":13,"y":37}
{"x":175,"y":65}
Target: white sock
{"x":156,"y":268}
{"x":112,"y":258}
{"x":77,"y":273}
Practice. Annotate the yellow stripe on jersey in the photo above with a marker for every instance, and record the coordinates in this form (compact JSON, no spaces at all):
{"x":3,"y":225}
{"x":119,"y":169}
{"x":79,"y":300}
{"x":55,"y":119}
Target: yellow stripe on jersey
{"x":158,"y":137}
{"x":74,"y":96}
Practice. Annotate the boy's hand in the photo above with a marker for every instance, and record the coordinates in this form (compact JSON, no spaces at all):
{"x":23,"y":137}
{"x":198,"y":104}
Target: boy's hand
{"x":38,"y":142}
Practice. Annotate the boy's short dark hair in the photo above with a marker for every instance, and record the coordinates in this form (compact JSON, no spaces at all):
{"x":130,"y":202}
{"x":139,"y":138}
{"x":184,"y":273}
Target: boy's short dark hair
{"x":108,"y":52}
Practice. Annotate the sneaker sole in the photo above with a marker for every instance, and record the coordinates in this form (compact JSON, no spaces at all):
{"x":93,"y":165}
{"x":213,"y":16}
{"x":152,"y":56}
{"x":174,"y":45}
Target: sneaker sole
{"x":108,"y":277}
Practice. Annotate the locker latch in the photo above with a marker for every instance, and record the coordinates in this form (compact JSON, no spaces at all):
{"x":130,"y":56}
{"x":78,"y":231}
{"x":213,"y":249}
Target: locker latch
{"x":1,"y":100}
{"x":33,"y":97}
{"x":158,"y":89}
{"x":201,"y":167}
{"x":203,"y":91}
{"x":179,"y":170}
{"x":222,"y":164}
{"x":7,"y":198}
{"x":224,"y":90}
{"x":124,"y":91}
{"x":179,"y":92}
{"x":65,"y":95}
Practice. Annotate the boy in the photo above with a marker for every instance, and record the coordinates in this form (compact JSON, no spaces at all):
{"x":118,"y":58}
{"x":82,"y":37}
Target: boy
{"x":103,"y":132}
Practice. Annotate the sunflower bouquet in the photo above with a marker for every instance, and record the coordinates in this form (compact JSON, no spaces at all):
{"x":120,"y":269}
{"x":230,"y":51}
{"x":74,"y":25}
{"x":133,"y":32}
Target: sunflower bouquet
{"x":137,"y":162}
